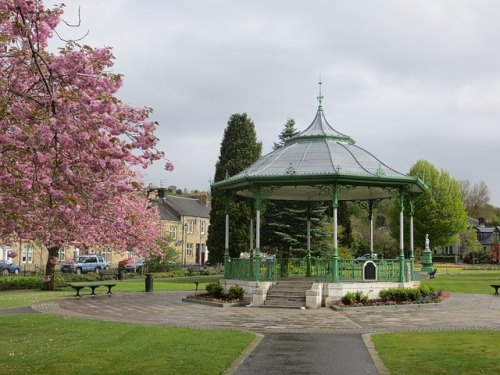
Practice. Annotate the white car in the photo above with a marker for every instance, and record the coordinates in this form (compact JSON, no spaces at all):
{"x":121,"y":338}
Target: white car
{"x":367,"y":256}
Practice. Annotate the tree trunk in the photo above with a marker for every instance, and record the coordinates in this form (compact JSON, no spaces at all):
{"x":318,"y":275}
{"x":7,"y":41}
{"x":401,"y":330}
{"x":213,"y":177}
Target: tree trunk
{"x":48,"y":280}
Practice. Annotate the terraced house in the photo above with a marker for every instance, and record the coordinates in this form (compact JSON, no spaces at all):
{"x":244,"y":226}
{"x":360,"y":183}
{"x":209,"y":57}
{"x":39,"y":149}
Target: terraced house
{"x":186,"y":221}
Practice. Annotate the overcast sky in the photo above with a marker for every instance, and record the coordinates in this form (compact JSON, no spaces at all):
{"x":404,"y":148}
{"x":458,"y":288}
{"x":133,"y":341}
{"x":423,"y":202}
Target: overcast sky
{"x":407,"y":80}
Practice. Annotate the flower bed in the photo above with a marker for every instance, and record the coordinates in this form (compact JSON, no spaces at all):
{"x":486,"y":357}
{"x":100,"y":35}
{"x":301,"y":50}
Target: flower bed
{"x":216,"y":297}
{"x":395,"y":296}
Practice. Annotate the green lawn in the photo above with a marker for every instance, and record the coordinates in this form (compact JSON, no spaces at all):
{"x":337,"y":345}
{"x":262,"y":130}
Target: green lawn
{"x":46,"y":344}
{"x":15,"y":298}
{"x":465,"y":352}
{"x":465,"y":281}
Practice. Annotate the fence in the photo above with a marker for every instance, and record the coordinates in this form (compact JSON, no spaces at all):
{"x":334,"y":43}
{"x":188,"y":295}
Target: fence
{"x":320,"y":269}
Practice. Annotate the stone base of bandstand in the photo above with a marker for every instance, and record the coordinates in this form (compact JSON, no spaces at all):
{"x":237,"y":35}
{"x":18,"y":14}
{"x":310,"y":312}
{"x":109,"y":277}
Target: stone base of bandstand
{"x":320,"y":294}
{"x":333,"y":292}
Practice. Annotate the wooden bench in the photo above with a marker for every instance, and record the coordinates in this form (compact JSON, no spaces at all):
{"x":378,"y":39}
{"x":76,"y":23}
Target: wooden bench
{"x":92,"y":285}
{"x":432,"y":273}
{"x":496,"y":289}
{"x":195,"y":268}
{"x":109,"y":272}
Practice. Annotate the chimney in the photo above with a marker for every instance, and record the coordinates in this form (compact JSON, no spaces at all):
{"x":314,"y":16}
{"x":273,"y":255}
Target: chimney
{"x":481,"y":221}
{"x":202,"y":197}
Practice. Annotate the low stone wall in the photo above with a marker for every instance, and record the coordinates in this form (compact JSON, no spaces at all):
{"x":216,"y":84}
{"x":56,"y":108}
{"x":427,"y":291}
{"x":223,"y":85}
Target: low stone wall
{"x":255,"y":291}
{"x":333,"y":292}
{"x":321,"y":294}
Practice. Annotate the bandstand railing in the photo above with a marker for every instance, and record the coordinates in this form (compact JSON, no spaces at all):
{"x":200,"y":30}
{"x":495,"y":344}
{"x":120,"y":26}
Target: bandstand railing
{"x":320,"y":269}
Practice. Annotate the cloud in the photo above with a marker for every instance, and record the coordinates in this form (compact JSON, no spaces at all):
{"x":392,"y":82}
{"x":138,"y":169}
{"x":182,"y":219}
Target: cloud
{"x":407,"y":80}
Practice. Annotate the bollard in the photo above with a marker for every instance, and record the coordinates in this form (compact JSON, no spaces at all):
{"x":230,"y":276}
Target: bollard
{"x":149,"y":282}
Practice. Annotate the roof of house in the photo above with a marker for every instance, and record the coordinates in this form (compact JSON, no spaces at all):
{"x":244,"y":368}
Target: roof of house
{"x":166,"y":212}
{"x":187,"y":206}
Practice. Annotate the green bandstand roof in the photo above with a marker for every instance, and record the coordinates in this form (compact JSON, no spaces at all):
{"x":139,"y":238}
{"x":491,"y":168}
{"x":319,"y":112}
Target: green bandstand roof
{"x":315,"y":159}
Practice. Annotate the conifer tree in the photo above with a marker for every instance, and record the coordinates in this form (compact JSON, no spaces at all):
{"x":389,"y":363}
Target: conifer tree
{"x":285,"y":229}
{"x":239,"y":149}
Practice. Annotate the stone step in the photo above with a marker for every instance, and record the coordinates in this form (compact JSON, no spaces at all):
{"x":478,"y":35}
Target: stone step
{"x":284,"y":304}
{"x":286,"y":297}
{"x":279,"y":293}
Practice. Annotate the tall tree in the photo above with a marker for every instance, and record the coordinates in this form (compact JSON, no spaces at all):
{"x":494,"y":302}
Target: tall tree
{"x":476,"y":197}
{"x":67,"y":143}
{"x":288,"y":132}
{"x":285,"y":222}
{"x":439,"y":212}
{"x":239,"y":149}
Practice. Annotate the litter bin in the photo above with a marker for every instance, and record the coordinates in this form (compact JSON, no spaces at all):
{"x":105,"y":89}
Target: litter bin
{"x":149,"y":282}
{"x":120,"y":274}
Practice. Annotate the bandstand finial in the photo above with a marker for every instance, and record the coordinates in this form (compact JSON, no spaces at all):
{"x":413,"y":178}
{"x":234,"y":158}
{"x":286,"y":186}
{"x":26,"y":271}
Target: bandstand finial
{"x":320,"y":96}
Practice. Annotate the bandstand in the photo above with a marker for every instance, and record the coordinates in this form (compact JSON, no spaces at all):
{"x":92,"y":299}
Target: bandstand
{"x":322,"y":164}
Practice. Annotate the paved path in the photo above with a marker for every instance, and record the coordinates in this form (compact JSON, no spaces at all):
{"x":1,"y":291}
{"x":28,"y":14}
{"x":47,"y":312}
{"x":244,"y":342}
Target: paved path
{"x":295,"y":341}
{"x":460,"y":311}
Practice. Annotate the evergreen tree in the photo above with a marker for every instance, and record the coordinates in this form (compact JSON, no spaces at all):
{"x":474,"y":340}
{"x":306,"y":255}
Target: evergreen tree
{"x":439,"y":212}
{"x":288,"y":132}
{"x":285,"y":229}
{"x":239,"y":149}
{"x":345,"y":221}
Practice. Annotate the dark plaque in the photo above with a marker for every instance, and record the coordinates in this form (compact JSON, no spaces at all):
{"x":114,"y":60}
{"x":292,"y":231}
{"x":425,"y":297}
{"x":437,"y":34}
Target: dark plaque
{"x":370,"y":271}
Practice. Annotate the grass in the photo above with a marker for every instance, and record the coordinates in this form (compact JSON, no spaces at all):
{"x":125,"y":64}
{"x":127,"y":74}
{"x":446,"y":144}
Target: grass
{"x":477,"y":282}
{"x":465,"y":352}
{"x":16,"y":298}
{"x":45,"y":344}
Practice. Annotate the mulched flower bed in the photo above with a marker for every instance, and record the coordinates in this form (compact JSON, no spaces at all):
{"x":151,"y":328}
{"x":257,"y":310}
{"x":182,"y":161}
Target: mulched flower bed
{"x":437,"y":298}
{"x":207,"y":297}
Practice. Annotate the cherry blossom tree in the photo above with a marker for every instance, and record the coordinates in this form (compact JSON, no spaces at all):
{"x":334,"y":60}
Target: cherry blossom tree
{"x":69,"y":147}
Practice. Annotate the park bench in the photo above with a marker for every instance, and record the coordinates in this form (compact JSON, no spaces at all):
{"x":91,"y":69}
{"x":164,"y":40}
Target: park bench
{"x":195,"y":268}
{"x":496,"y":288}
{"x":77,"y":286}
{"x":110,"y":272}
{"x":432,"y":273}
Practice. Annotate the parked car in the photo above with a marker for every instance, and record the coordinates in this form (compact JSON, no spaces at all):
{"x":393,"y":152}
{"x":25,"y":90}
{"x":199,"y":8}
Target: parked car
{"x":68,"y":266}
{"x":367,"y":256}
{"x":85,"y":263}
{"x":7,"y":267}
{"x":122,"y":263}
{"x":137,"y":265}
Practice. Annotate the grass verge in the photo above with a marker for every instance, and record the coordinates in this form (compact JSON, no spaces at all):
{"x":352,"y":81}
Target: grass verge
{"x":464,"y":352}
{"x":15,"y":298}
{"x":477,"y":282}
{"x":45,"y":344}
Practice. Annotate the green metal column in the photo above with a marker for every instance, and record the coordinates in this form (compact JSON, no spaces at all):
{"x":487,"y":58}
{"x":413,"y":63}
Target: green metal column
{"x":308,"y":259}
{"x":335,"y":260}
{"x":258,"y":206}
{"x":370,"y":217}
{"x":402,"y":276}
{"x":412,"y":251}
{"x":226,"y":237}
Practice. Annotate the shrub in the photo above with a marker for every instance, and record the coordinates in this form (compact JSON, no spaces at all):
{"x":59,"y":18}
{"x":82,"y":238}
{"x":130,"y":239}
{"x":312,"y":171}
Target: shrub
{"x":236,"y":292}
{"x":352,"y":298}
{"x":426,"y":290}
{"x":20,"y":282}
{"x":214,"y":289}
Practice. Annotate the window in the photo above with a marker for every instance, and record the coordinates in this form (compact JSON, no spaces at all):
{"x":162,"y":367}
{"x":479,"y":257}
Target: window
{"x":27,"y":256}
{"x":189,"y":249}
{"x":62,"y":254}
{"x":202,"y":227}
{"x":173,"y":232}
{"x":106,"y":253}
{"x":190,"y":226}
